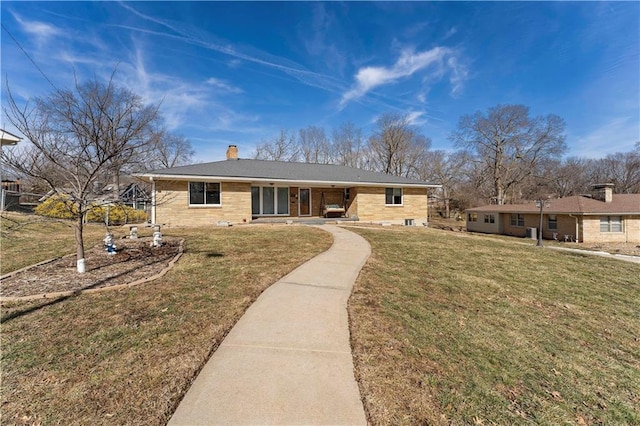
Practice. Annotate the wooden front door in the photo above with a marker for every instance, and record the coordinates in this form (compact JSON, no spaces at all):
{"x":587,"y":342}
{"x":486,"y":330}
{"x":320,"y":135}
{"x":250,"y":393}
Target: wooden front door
{"x":304,"y":197}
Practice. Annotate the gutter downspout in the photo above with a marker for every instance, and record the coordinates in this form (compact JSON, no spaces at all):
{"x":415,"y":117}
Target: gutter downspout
{"x":153,"y":201}
{"x":577,"y":228}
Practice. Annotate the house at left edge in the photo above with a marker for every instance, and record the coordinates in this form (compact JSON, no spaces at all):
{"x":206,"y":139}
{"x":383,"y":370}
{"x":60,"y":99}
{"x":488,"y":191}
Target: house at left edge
{"x":239,"y":190}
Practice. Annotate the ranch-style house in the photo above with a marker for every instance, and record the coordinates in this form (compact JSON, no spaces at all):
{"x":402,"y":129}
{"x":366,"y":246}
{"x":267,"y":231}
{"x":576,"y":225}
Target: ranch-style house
{"x":601,"y":217}
{"x":239,"y":190}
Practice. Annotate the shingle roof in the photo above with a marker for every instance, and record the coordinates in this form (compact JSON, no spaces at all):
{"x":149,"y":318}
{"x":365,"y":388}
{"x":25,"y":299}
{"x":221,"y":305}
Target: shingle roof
{"x":578,"y":204}
{"x":282,"y":171}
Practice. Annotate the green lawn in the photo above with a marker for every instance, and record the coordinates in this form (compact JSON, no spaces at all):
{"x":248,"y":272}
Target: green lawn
{"x":451,"y":328}
{"x":127,"y":357}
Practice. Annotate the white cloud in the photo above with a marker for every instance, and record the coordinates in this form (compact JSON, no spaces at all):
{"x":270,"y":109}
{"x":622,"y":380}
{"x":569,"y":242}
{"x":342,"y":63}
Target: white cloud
{"x":413,"y":117}
{"x":41,"y":30}
{"x":242,"y":53}
{"x":459,"y":75}
{"x":223,"y":85}
{"x":617,"y":134}
{"x":452,"y":31}
{"x":408,"y":64}
{"x":234,"y":63}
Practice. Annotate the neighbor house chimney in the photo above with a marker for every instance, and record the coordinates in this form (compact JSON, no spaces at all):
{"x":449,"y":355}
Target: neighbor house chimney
{"x":232,"y":152}
{"x":603,"y":192}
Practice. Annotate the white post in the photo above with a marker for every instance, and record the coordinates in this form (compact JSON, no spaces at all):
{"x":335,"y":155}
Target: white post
{"x":153,"y":201}
{"x":81,"y":266}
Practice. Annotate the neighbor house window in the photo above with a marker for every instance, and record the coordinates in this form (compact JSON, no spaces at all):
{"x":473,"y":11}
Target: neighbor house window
{"x":269,"y":200}
{"x":517,"y":219}
{"x":489,"y":218}
{"x":393,"y":196}
{"x":472,"y":217}
{"x":204,"y":193}
{"x":610,"y":224}
{"x":552,"y":222}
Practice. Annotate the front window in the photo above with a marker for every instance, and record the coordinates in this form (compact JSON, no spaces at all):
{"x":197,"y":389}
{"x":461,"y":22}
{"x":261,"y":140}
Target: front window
{"x":610,"y":224}
{"x":552,"y":223}
{"x":472,"y":217}
{"x":393,"y":196}
{"x":489,"y":218}
{"x":517,"y":219}
{"x":204,"y":193}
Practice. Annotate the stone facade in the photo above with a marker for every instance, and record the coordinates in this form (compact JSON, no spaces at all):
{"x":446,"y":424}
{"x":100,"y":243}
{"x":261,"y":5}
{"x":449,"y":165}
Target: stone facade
{"x":172,"y":205}
{"x":367,"y":203}
{"x":630,"y":231}
{"x":370,"y":205}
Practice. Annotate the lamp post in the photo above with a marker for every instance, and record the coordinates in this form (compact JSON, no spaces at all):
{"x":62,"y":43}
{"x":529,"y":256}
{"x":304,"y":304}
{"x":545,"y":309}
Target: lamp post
{"x":541,"y":204}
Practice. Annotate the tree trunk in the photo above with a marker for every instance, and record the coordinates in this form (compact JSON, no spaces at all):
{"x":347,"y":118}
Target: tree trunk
{"x":80,"y":262}
{"x":445,"y":195}
{"x":499,"y":191}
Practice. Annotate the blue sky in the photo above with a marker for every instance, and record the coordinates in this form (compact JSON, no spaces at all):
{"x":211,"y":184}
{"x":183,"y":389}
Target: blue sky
{"x":237,"y":73}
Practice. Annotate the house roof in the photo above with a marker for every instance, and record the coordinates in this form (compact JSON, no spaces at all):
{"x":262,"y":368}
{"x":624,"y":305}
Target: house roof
{"x":7,"y":138}
{"x":281,"y":172}
{"x":577,"y":205}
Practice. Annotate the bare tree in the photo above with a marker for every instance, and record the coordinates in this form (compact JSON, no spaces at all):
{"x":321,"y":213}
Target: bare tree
{"x":168,"y":150}
{"x":78,"y":138}
{"x":314,"y":146}
{"x":349,"y":147}
{"x":508,"y":145}
{"x":446,"y":169}
{"x":281,"y":148}
{"x":622,"y":169}
{"x":567,"y":177}
{"x":396,"y":147}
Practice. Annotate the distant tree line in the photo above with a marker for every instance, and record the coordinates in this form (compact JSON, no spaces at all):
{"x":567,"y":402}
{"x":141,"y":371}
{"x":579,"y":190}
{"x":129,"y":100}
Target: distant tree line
{"x":501,"y":156}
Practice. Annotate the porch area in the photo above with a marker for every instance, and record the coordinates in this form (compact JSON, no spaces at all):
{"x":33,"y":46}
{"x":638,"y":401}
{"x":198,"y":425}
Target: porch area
{"x":311,"y":220}
{"x":277,"y":204}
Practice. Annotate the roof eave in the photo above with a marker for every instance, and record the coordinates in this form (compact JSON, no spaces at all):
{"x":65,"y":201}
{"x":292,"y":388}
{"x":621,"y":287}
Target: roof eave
{"x":601,"y":213}
{"x":291,"y":182}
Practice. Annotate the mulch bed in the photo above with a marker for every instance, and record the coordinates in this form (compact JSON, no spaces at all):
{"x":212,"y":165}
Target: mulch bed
{"x":135,"y":259}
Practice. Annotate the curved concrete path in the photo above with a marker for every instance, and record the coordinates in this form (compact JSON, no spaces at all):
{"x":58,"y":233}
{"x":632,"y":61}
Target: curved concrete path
{"x":288,"y":360}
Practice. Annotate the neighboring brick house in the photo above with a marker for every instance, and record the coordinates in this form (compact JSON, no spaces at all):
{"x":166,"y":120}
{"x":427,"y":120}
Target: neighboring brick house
{"x":241,"y":190}
{"x":603,"y":217}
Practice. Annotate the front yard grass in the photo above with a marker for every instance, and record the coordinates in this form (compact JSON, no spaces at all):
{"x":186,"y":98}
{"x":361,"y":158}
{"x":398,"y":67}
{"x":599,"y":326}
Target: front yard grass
{"x":456,"y":329}
{"x":27,"y":239}
{"x":127,"y":357}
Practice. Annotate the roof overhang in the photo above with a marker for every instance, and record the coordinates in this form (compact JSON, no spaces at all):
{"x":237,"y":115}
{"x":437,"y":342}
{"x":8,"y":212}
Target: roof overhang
{"x":7,"y":138}
{"x":288,"y":182}
{"x":547,"y":212}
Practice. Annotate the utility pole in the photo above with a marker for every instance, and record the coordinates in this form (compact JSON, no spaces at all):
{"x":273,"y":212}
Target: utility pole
{"x":540,"y":203}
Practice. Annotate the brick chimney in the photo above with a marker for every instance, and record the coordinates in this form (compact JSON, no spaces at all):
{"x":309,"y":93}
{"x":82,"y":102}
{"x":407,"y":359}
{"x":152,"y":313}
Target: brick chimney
{"x":603,"y":192}
{"x":232,"y":152}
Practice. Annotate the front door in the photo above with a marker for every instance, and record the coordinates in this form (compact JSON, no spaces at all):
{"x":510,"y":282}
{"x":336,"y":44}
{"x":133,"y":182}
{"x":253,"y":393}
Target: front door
{"x":304,"y":197}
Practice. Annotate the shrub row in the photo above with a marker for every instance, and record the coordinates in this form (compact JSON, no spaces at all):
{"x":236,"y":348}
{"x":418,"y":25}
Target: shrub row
{"x":60,"y":207}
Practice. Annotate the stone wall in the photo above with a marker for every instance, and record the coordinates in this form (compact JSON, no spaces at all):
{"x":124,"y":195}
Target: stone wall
{"x":630,"y":231}
{"x":365,"y":202}
{"x":371,"y":205}
{"x":172,"y":205}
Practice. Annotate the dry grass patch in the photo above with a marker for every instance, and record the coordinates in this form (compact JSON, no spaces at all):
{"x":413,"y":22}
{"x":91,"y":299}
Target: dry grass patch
{"x":453,"y":329}
{"x":127,"y":357}
{"x":27,"y":239}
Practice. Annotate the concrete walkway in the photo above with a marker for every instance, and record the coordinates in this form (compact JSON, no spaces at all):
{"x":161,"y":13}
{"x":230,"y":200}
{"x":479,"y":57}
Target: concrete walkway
{"x":624,"y":257}
{"x":288,"y":360}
